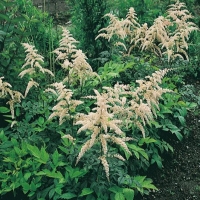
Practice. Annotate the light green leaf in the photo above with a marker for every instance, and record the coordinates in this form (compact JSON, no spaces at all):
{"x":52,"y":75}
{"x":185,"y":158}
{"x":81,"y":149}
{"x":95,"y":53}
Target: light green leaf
{"x":34,"y":150}
{"x":128,"y":193}
{"x":52,"y":174}
{"x":119,"y":196}
{"x":40,"y":121}
{"x":55,"y":157}
{"x":86,"y":191}
{"x":27,"y":176}
{"x":148,"y":184}
{"x":33,"y":186}
{"x":25,"y":186}
{"x":44,"y":155}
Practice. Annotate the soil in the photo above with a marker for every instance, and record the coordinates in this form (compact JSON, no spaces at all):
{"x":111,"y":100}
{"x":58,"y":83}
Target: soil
{"x":180,"y":177}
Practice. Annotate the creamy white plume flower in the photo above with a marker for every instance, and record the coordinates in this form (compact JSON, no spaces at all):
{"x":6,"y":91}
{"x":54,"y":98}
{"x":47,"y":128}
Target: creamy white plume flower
{"x":31,"y":83}
{"x":65,"y":104}
{"x":73,"y":60}
{"x":6,"y":92}
{"x":34,"y":61}
{"x":167,"y":36}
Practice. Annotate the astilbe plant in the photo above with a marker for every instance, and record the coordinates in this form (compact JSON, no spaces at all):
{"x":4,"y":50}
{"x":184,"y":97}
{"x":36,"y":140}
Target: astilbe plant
{"x":168,"y":35}
{"x":103,"y":127}
{"x":115,"y":110}
{"x":32,"y":66}
{"x":66,"y":105}
{"x":120,"y":28}
{"x":7,"y":93}
{"x":73,"y":60}
{"x":176,"y":44}
{"x":137,"y":105}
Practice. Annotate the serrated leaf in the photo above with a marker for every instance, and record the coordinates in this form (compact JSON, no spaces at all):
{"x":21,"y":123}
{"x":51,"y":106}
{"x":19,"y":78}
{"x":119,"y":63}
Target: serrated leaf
{"x":27,"y":176}
{"x":128,"y":193}
{"x":86,"y":191}
{"x":65,"y":150}
{"x":181,"y":120}
{"x":53,"y":174}
{"x":87,"y":109}
{"x":44,"y":155}
{"x":55,"y":157}
{"x":34,"y":150}
{"x":119,"y":196}
{"x":5,"y":17}
{"x":41,"y":173}
{"x":148,"y":184}
{"x":25,"y":186}
{"x":146,"y":140}
{"x":33,"y":186}
{"x":191,"y":105}
{"x":144,"y":154}
{"x":178,"y":135}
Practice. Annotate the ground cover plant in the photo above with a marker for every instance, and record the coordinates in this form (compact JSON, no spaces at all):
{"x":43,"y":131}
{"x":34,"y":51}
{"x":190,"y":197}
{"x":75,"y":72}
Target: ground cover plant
{"x":76,"y":131}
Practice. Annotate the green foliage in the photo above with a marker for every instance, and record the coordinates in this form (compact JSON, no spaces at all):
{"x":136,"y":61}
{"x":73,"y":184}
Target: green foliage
{"x":20,"y":22}
{"x":146,"y":9}
{"x":87,"y":20}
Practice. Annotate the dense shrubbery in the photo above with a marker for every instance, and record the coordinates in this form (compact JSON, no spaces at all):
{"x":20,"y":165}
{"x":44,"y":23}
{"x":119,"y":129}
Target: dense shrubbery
{"x":69,"y":132}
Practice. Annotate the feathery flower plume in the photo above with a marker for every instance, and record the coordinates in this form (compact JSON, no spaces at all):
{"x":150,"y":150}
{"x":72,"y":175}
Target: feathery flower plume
{"x":103,"y":127}
{"x":105,"y":165}
{"x":137,"y":105}
{"x":159,"y":38}
{"x":72,"y":60}
{"x":176,"y":45}
{"x":5,"y":88}
{"x":121,"y":29}
{"x":66,"y":46}
{"x":6,"y":92}
{"x":66,"y":105}
{"x":33,"y":60}
{"x":31,"y":83}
